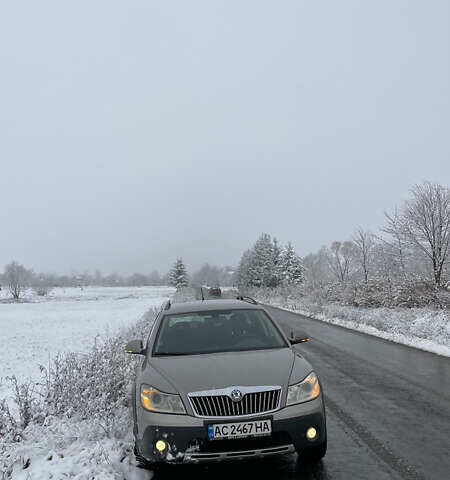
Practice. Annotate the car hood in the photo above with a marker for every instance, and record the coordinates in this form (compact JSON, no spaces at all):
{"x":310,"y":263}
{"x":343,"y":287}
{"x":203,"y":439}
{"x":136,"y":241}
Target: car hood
{"x":219,"y":370}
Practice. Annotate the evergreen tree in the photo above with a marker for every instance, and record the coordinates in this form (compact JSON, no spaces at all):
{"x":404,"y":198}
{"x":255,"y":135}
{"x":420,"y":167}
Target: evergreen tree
{"x":293,"y":272}
{"x":267,"y":264}
{"x":178,"y":276}
{"x":242,"y":277}
{"x":261,"y":262}
{"x":277,"y":270}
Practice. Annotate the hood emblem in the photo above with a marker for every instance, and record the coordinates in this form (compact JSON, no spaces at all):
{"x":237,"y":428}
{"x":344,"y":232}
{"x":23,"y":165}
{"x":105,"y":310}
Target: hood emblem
{"x":236,"y":395}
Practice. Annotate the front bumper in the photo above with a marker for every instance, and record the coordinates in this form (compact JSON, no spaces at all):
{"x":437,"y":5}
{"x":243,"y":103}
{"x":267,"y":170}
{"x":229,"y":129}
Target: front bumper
{"x":187,"y":436}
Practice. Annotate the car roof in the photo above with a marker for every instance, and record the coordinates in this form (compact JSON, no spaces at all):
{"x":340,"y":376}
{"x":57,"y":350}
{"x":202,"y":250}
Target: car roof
{"x":207,"y":305}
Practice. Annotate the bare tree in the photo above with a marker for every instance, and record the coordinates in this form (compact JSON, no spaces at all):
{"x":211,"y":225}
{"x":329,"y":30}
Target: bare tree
{"x":17,"y":278}
{"x":317,"y":268}
{"x":426,"y":224}
{"x":341,"y":259}
{"x":396,"y":244}
{"x":364,"y":242}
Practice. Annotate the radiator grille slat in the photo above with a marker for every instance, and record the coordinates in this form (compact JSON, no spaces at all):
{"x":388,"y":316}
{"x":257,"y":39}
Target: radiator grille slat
{"x":222,"y":406}
{"x":215,"y":409}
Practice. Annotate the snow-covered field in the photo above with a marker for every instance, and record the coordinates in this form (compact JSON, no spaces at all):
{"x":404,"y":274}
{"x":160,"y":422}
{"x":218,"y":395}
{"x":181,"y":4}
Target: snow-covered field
{"x":68,"y":320}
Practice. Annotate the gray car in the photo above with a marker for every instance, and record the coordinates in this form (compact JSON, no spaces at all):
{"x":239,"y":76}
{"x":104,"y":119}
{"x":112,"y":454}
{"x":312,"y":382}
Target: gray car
{"x":219,"y":380}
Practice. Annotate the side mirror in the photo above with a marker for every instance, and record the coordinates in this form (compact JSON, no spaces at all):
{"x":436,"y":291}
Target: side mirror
{"x":298,"y":336}
{"x":135,"y":347}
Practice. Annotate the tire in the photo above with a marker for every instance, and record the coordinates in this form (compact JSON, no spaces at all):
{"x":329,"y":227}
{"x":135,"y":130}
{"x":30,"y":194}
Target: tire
{"x":313,"y":454}
{"x":141,"y":461}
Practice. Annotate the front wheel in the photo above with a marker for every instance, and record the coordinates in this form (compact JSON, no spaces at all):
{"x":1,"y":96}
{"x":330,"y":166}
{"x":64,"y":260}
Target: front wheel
{"x":313,"y":454}
{"x":143,"y":462}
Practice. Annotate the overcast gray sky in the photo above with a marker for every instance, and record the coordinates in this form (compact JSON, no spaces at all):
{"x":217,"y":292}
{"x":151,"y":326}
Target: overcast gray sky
{"x":134,"y":132}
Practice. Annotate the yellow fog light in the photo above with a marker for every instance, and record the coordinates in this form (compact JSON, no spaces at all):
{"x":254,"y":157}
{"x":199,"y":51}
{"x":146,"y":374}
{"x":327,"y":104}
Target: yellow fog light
{"x":311,"y":433}
{"x":161,"y":445}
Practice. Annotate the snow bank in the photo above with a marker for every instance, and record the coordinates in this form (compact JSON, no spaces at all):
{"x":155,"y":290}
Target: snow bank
{"x":70,"y":448}
{"x":71,"y":423}
{"x":76,"y":422}
{"x":424,"y":328}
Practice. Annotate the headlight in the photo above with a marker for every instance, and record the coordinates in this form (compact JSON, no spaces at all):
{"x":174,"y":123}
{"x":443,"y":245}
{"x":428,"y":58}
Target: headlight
{"x":155,"y":401}
{"x":308,"y":389}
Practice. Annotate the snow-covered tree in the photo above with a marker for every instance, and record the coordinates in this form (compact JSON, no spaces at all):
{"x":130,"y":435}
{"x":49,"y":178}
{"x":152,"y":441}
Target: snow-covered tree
{"x":342,"y":260}
{"x":293,"y":272}
{"x":364,"y":242}
{"x":418,"y":234}
{"x":267,"y":264}
{"x":261,"y":262}
{"x":17,"y":278}
{"x":277,"y":268}
{"x":241,"y":275}
{"x":317,"y":269}
{"x":393,"y":254}
{"x":178,"y":276}
{"x":425,"y":224}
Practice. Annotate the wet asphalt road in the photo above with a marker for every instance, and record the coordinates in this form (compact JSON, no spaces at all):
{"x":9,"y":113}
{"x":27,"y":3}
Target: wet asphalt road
{"x":388,"y":412}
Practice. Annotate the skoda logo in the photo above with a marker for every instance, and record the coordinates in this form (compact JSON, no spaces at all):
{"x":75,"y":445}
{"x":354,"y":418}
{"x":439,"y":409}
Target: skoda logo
{"x":236,"y":395}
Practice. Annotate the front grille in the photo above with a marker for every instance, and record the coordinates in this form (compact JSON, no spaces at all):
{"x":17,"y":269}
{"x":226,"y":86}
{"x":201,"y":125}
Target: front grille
{"x":222,"y":406}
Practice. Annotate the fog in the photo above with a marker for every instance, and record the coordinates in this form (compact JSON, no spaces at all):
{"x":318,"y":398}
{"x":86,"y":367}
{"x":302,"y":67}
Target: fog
{"x":135,"y":132}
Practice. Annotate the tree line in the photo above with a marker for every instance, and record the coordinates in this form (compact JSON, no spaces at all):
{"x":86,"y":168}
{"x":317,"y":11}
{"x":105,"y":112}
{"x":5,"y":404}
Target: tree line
{"x":412,"y":246}
{"x":17,"y":278}
{"x":405,"y":263}
{"x":411,"y":249}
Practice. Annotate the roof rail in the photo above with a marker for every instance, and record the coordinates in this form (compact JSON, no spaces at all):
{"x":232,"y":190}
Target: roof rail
{"x":167,"y":305}
{"x":247,"y":299}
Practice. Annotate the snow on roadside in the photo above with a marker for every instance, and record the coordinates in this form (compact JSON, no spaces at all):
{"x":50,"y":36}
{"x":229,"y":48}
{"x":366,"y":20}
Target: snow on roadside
{"x":423,"y":328}
{"x":88,"y":443}
{"x":66,"y":321}
{"x":49,"y":452}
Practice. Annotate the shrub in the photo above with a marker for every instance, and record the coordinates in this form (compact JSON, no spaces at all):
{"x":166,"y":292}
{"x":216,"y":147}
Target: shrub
{"x":93,"y":386}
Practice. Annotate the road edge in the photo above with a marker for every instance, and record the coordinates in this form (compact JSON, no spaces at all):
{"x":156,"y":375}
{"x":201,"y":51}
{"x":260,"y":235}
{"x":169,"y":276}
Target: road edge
{"x":400,"y":339}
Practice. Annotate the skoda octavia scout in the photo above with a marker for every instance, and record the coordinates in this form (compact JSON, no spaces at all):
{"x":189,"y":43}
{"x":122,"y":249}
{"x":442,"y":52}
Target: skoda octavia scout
{"x":220,"y":380}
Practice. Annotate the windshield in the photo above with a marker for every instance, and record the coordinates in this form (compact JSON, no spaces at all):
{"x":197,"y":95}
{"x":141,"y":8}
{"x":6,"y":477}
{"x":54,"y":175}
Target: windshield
{"x":217,"y":331}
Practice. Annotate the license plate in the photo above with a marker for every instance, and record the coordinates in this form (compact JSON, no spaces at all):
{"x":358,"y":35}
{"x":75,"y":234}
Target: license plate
{"x":219,"y":431}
